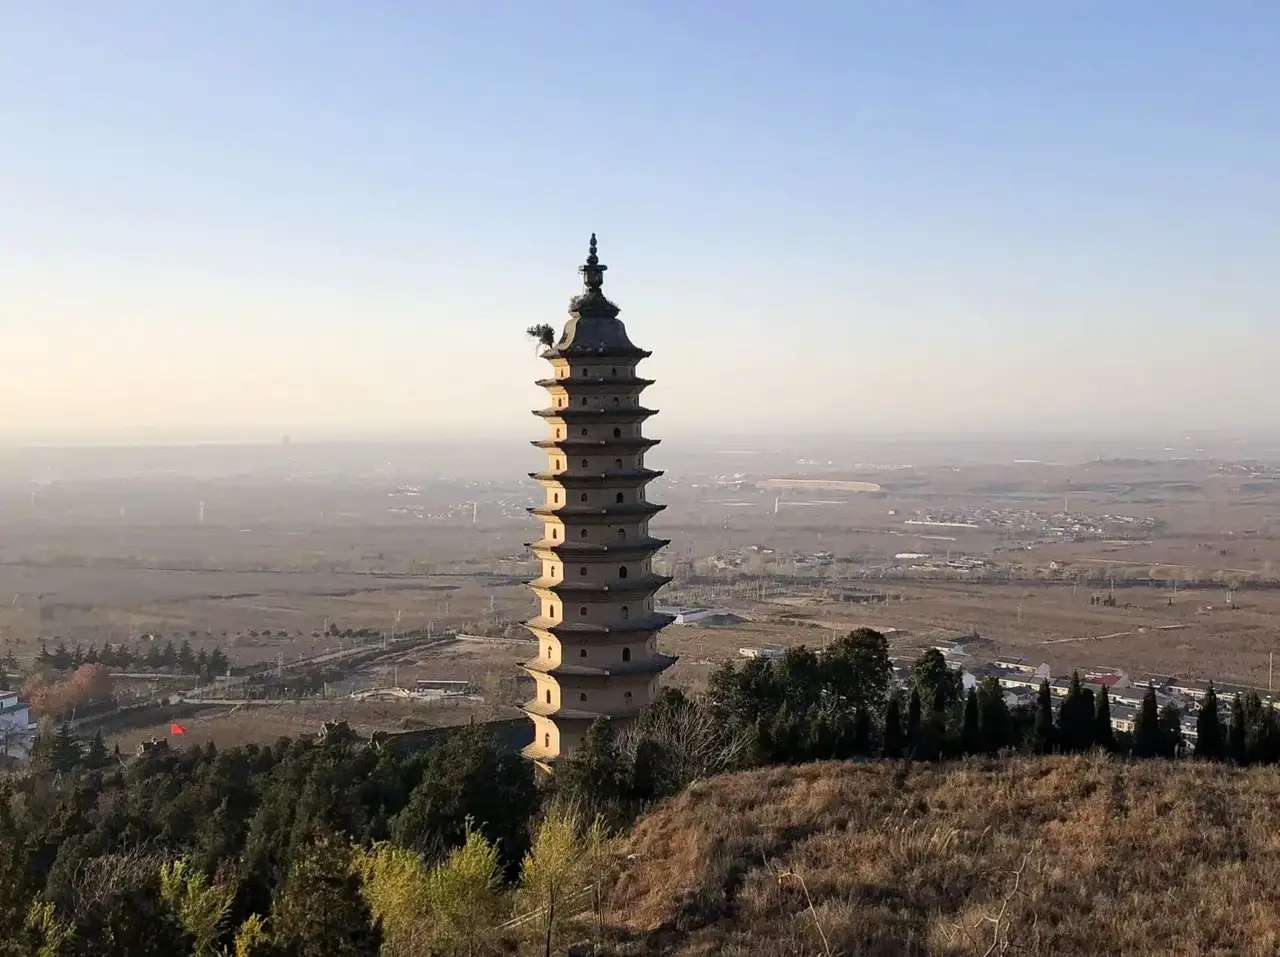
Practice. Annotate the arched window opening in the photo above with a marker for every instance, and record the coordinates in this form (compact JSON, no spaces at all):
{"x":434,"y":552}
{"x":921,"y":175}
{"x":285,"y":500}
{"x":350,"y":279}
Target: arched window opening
{"x":584,"y":533}
{"x":584,"y":496}
{"x":617,"y":433}
{"x":584,"y":432}
{"x":583,"y":571}
{"x":617,"y":463}
{"x":622,"y":534}
{"x":546,"y":740}
{"x":582,"y":696}
{"x":615,"y":400}
{"x":555,"y":498}
{"x":583,"y":611}
{"x":626,"y":612}
{"x":586,"y":372}
{"x":622,"y":571}
{"x":626,"y":654}
{"x":585,"y":463}
{"x":582,"y":653}
{"x":548,"y":696}
{"x":618,"y":498}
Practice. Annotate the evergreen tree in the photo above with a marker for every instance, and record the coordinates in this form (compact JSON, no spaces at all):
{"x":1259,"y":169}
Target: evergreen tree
{"x":63,"y":752}
{"x":319,"y":911}
{"x":1103,"y":734}
{"x":1043,"y":733}
{"x":970,"y":735}
{"x":1170,"y":730}
{"x":594,"y":774}
{"x":96,"y":755}
{"x":1236,"y":732}
{"x":218,"y":663}
{"x":913,"y":716}
{"x":186,"y":658}
{"x":1209,"y":743}
{"x":993,"y":716}
{"x":892,"y":743}
{"x":932,"y":675}
{"x":861,"y":732}
{"x":169,"y":655}
{"x":1076,"y":717}
{"x":1146,"y":729}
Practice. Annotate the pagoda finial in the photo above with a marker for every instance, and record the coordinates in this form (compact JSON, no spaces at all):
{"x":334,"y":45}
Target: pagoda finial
{"x":592,"y":272}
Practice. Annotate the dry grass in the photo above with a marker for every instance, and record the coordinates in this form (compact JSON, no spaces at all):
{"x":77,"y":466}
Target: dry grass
{"x":1028,"y":856}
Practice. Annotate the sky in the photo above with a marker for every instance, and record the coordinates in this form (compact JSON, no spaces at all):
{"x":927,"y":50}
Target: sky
{"x":236,"y":221}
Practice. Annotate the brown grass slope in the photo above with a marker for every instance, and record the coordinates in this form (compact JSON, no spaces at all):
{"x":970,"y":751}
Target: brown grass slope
{"x":1028,"y":856}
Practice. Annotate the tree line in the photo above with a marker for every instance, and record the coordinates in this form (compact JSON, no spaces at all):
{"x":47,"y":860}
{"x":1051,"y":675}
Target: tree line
{"x":154,"y":655}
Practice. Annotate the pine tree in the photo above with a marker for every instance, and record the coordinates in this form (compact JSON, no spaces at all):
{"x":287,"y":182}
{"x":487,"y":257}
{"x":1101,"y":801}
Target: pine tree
{"x":892,"y":744}
{"x":96,"y":755}
{"x":1236,"y":748}
{"x":1209,"y":727}
{"x":1170,"y":730}
{"x":1043,"y":735}
{"x":861,"y":732}
{"x":970,"y":736}
{"x":1103,"y":734}
{"x":319,"y":911}
{"x":1146,"y":729}
{"x":64,"y":750}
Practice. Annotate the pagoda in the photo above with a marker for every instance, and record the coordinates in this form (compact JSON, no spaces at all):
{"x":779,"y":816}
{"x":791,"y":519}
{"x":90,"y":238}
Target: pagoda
{"x":596,"y":626}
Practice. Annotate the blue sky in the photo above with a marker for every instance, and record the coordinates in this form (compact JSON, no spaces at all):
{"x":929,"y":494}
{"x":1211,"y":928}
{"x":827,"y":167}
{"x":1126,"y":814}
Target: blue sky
{"x":335,"y":220}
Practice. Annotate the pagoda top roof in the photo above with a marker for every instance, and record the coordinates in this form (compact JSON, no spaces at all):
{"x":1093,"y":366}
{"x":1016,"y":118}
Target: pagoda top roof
{"x":593,"y":328}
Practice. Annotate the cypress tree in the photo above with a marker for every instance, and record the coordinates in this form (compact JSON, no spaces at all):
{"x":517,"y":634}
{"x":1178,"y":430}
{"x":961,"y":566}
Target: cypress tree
{"x":913,"y":716}
{"x":1209,"y":727}
{"x":1235,"y":732}
{"x":1103,"y":735}
{"x":1146,"y":731}
{"x":993,"y":715}
{"x":861,"y":732}
{"x":970,"y":736}
{"x":1043,"y":734}
{"x":1170,"y":730}
{"x":892,"y":744}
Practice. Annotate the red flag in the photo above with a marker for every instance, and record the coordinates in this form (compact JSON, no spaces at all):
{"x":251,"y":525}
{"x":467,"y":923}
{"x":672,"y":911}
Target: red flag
{"x":175,"y":728}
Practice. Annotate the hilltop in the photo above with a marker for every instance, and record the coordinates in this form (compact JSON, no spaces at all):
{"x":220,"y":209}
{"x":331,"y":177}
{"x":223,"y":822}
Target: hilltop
{"x":1053,"y":855}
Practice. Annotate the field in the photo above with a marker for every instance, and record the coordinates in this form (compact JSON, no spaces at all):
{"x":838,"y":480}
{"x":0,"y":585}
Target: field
{"x":1027,"y":856}
{"x":1017,"y":548}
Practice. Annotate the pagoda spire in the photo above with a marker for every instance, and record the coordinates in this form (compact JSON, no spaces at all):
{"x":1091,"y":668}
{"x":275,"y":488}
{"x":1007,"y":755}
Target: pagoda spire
{"x":592,"y":271}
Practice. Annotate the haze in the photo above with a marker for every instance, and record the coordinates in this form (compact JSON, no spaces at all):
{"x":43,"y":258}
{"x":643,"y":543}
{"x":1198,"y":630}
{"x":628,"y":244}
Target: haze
{"x":247,"y":221}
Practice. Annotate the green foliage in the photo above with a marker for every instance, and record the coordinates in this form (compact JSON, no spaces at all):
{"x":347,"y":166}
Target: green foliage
{"x":970,"y":734}
{"x":933,"y":677}
{"x":995,"y":723}
{"x":1076,"y":717}
{"x":892,"y":744}
{"x":1147,"y":741}
{"x":463,"y":890}
{"x":1209,"y":736}
{"x":320,"y":911}
{"x":553,"y":872}
{"x":201,"y":905}
{"x":1043,"y":733}
{"x":1103,"y":734}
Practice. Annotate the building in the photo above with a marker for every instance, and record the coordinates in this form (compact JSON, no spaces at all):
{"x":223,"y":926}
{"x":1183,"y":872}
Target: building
{"x":17,"y":730}
{"x":596,"y":624}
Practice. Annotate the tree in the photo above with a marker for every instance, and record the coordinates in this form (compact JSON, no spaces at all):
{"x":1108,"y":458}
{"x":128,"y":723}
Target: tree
{"x":319,"y":911}
{"x":993,"y":716}
{"x":1170,"y":720}
{"x":552,"y":872}
{"x":394,"y":883}
{"x":858,"y":670}
{"x":1043,"y":731}
{"x":913,"y":716}
{"x":200,"y":905}
{"x":96,"y":755}
{"x":970,"y":734}
{"x":594,"y":775}
{"x":542,"y":334}
{"x":463,"y":890}
{"x":1209,"y":737}
{"x":1103,"y":734}
{"x":931,"y":675}
{"x":1146,"y":728}
{"x":186,"y":658}
{"x":891,"y":745}
{"x":1076,"y":717}
{"x":1236,"y":747}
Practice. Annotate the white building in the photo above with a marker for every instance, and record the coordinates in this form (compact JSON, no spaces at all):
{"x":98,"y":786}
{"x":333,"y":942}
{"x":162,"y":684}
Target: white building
{"x":17,"y":730}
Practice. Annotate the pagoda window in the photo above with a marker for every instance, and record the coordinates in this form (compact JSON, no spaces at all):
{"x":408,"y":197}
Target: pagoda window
{"x":584,"y":496}
{"x":559,"y":435}
{"x":584,"y":431}
{"x":615,"y":400}
{"x":584,"y":400}
{"x":584,"y":533}
{"x":582,"y":696}
{"x":583,"y":611}
{"x":548,"y":696}
{"x":586,"y":372}
{"x":555,"y":533}
{"x":618,"y":498}
{"x":627,"y":696}
{"x":617,"y":463}
{"x":622,"y":534}
{"x":548,"y":651}
{"x":626,"y":654}
{"x":555,"y":498}
{"x":622,"y":571}
{"x":582,"y":653}
{"x":546,"y":740}
{"x":583,"y":571}
{"x":613,"y":372}
{"x":626,"y":612}
{"x":585,"y":463}
{"x":617,"y":433}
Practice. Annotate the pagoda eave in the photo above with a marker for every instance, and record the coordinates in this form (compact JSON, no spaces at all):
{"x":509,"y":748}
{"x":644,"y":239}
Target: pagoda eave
{"x":597,"y":514}
{"x":632,"y":413}
{"x":603,"y":552}
{"x":625,"y":586}
{"x":654,"y":621}
{"x":577,"y":479}
{"x":590,"y":382}
{"x":595,"y":445}
{"x":596,"y":352}
{"x":543,"y":710}
{"x":648,"y":666}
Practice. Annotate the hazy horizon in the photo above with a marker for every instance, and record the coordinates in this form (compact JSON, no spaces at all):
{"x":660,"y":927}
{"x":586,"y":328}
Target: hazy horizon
{"x":241,"y":223}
